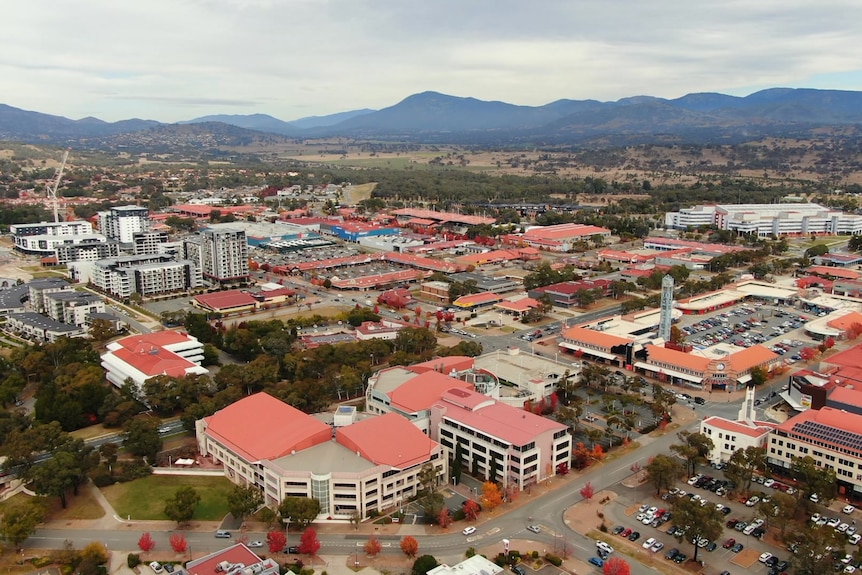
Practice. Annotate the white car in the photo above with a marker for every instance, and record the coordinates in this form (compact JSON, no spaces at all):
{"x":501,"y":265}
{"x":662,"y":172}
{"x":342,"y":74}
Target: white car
{"x":640,"y":516}
{"x":769,"y":483}
{"x":848,"y":509}
{"x":256,"y":544}
{"x":693,"y":480}
{"x":855,"y":538}
{"x":602,"y":546}
{"x":752,"y":501}
{"x":764,"y":557}
{"x":842,"y":528}
{"x":834,"y":522}
{"x":156,"y":567}
{"x":643,"y":508}
{"x":649,"y":542}
{"x":469,"y":530}
{"x":814,"y":498}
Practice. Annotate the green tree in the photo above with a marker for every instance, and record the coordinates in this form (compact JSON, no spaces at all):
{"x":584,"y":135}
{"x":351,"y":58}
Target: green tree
{"x":181,"y":507}
{"x":694,"y":449}
{"x":759,"y":375}
{"x":814,"y":479}
{"x":20,"y":519}
{"x":141,"y":438}
{"x":812,"y":544}
{"x":423,"y":564}
{"x":779,"y":511}
{"x":664,"y":471}
{"x":243,"y":501}
{"x":302,"y":511}
{"x":703,"y":521}
{"x":743,"y":464}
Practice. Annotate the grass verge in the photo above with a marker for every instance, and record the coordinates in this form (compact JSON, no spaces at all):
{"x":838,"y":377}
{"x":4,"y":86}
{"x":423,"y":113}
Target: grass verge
{"x":145,"y":498}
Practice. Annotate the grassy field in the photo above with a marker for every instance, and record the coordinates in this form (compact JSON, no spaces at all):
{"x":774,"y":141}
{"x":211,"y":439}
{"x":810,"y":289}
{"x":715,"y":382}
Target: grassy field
{"x":145,"y":498}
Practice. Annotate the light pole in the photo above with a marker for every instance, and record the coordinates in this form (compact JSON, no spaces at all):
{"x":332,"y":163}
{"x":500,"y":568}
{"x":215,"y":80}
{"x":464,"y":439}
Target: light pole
{"x":286,"y":532}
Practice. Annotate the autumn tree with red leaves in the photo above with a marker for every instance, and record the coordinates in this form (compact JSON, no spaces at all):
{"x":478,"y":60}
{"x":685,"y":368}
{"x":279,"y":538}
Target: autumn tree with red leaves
{"x":309,"y":544}
{"x":409,"y":546}
{"x":444,"y":520}
{"x":616,"y":566}
{"x":179,"y":543}
{"x":471,"y":510}
{"x":587,"y":491}
{"x":146,"y":543}
{"x":276,"y":540}
{"x":373,"y":546}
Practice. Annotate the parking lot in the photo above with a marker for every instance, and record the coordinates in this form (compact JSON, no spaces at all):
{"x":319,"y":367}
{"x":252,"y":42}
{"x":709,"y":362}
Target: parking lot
{"x":779,"y":329}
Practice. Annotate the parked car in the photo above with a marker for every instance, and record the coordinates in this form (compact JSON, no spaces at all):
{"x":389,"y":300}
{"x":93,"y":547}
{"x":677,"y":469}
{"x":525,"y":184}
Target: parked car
{"x":293,"y":550}
{"x":156,"y":567}
{"x":469,"y":530}
{"x":737,"y":548}
{"x":596,"y":561}
{"x":729,"y":543}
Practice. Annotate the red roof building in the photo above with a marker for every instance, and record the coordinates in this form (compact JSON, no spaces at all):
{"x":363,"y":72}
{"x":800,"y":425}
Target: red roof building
{"x":341,"y":462}
{"x":233,"y":555}
{"x":230,"y":301}
{"x":140,"y":357}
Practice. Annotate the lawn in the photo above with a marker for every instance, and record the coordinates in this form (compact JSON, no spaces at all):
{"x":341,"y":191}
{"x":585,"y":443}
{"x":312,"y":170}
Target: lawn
{"x":145,"y":498}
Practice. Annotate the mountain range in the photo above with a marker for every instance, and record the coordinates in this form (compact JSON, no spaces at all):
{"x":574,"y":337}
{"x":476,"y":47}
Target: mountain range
{"x":439,"y":118}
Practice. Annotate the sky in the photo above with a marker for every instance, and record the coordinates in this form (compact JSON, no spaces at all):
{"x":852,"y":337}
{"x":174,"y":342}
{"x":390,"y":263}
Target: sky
{"x":173,"y":60}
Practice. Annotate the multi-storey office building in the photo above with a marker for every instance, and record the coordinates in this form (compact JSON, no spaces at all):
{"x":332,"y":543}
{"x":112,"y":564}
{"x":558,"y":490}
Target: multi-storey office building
{"x":224,"y":255}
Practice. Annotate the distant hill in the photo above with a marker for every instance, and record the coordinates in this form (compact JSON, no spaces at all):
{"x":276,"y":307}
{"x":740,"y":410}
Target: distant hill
{"x":259,"y":122}
{"x":433,"y":117}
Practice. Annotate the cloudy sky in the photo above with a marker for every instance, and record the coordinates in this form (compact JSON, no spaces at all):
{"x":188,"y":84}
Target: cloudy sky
{"x":173,"y":60}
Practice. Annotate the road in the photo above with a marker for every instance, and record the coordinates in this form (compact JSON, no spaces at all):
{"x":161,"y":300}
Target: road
{"x":546,"y":510}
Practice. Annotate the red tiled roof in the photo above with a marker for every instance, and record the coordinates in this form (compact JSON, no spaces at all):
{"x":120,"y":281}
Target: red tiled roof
{"x":405,"y":445}
{"x":157,"y":338}
{"x":522,"y":304}
{"x":260,"y":427}
{"x":835,"y":418}
{"x":849,"y":357}
{"x":846,"y":395}
{"x":505,"y":422}
{"x":421,"y":392}
{"x":660,"y":354}
{"x":154,"y":361}
{"x":238,"y":553}
{"x":834,"y":272}
{"x":761,"y":428}
{"x":476,"y":299}
{"x":563,"y":231}
{"x":845,"y":321}
{"x":598,"y":338}
{"x":445,"y":364}
{"x":750,"y":357}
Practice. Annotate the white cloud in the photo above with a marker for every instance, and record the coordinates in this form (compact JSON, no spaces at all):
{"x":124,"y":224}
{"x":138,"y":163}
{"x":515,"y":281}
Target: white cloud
{"x":175,"y":59}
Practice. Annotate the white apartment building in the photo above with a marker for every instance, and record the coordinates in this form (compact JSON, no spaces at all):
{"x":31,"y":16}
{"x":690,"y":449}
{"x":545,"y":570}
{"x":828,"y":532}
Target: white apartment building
{"x":263,"y":441}
{"x":87,"y":250}
{"x":43,"y":238}
{"x":147,"y":275}
{"x":73,"y":307}
{"x":150,"y":242}
{"x":768,"y":219}
{"x":39,"y":289}
{"x":224,"y":255}
{"x":121,"y":223}
{"x":36,"y":327}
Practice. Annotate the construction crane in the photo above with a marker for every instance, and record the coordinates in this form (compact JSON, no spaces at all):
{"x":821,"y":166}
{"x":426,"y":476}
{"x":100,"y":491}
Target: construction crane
{"x":52,"y":190}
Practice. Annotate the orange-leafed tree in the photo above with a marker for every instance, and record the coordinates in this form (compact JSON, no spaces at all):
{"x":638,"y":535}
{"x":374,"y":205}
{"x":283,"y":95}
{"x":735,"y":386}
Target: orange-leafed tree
{"x":276,"y":541}
{"x":178,"y":542}
{"x":373,"y":546}
{"x":491,"y":496}
{"x":409,"y":546}
{"x":471,"y":510}
{"x":598,"y":453}
{"x":146,"y":543}
{"x":580,"y":456}
{"x":616,"y":566}
{"x":309,"y":544}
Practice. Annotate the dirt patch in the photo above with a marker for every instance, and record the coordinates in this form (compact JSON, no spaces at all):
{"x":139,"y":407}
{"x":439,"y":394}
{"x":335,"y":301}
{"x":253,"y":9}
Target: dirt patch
{"x":632,"y":510}
{"x":745,"y":558}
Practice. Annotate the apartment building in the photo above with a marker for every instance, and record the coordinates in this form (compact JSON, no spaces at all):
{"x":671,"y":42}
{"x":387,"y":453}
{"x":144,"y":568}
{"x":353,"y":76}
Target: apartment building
{"x":39,"y":289}
{"x":147,"y":275}
{"x":87,"y":250}
{"x":73,"y":307}
{"x":42,"y":239}
{"x":224,"y":255}
{"x":122,"y":222}
{"x":149,"y":242}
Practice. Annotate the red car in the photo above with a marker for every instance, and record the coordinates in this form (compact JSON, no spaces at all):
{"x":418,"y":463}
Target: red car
{"x":626,"y":532}
{"x":729,"y":543}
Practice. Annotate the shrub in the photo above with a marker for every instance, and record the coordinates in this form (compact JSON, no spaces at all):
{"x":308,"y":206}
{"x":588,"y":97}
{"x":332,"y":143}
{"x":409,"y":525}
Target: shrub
{"x":102,"y":477}
{"x":40,"y":562}
{"x":500,"y":560}
{"x":553,"y":560}
{"x":535,"y":554}
{"x":603,"y":528}
{"x":470,"y":552}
